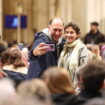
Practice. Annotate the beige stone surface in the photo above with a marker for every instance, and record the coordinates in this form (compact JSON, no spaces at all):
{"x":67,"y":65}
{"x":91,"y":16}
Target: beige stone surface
{"x":39,"y":12}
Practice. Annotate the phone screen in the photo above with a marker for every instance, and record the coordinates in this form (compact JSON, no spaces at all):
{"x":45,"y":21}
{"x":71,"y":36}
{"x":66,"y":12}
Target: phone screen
{"x":51,"y":47}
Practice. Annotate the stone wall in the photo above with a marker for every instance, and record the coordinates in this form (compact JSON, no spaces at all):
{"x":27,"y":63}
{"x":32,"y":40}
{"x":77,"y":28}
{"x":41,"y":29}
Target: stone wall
{"x":39,"y":12}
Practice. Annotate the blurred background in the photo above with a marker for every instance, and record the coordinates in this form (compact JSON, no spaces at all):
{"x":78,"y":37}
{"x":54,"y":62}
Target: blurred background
{"x":20,"y":19}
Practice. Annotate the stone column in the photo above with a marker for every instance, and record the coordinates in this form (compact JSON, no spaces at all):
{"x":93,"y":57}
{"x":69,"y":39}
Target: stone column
{"x":102,"y":14}
{"x":51,"y":7}
{"x":69,"y":11}
{"x":35,"y":15}
{"x":1,"y":24}
{"x":43,"y":14}
{"x":93,"y":12}
{"x":79,"y":14}
{"x":65,"y":7}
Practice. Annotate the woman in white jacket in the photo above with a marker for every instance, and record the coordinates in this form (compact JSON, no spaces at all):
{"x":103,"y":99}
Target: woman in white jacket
{"x":75,"y":53}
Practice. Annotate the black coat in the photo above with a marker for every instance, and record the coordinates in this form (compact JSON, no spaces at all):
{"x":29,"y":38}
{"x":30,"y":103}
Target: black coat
{"x":86,"y":95}
{"x":91,"y":38}
{"x":15,"y":76}
{"x":39,"y":63}
{"x":66,"y":99}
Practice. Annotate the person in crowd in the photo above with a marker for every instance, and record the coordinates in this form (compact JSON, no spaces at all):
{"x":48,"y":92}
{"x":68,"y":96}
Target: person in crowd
{"x":10,"y":96}
{"x":22,"y":101}
{"x":96,"y":51}
{"x":14,"y":67}
{"x":75,"y":53}
{"x":34,"y":88}
{"x":46,"y":47}
{"x":5,"y":56}
{"x":60,"y":87}
{"x":94,"y":36}
{"x":7,"y":89}
{"x":91,"y":55}
{"x":91,"y":79}
{"x":3,"y":46}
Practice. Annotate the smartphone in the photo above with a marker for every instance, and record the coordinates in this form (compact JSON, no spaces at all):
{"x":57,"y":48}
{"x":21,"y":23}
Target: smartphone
{"x":51,"y":47}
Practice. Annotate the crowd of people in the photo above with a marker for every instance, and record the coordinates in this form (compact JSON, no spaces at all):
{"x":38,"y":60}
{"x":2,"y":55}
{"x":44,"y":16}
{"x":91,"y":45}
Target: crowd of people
{"x":60,"y":68}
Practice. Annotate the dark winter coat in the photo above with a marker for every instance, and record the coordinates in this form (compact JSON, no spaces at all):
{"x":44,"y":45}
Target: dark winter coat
{"x":15,"y":76}
{"x":97,"y":38}
{"x":66,"y":99}
{"x":39,"y":63}
{"x":86,"y":95}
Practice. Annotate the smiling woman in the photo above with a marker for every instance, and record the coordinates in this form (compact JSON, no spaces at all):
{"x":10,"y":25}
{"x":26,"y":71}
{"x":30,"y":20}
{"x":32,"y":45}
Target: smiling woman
{"x":75,"y":53}
{"x":70,"y":35}
{"x":72,"y":32}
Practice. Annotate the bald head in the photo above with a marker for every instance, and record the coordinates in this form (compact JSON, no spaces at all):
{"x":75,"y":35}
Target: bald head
{"x":56,"y":20}
{"x":56,"y":28}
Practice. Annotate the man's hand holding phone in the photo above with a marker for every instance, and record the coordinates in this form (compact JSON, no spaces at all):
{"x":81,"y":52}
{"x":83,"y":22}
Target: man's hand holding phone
{"x":50,"y":47}
{"x":43,"y":48}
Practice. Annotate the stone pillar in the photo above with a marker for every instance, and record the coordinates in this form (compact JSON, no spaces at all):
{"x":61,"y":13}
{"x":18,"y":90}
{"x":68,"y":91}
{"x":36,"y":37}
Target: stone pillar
{"x":52,"y":10}
{"x":1,"y":24}
{"x":69,"y":10}
{"x":35,"y":14}
{"x":40,"y":14}
{"x":65,"y":7}
{"x":43,"y":14}
{"x":102,"y":14}
{"x":93,"y":12}
{"x":79,"y":14}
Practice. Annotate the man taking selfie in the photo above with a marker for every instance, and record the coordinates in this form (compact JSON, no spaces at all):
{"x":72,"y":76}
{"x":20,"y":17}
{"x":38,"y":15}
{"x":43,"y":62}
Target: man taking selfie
{"x":46,"y":48}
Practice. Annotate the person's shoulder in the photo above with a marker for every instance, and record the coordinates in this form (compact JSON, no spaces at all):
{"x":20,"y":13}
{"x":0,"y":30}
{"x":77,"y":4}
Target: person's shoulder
{"x":88,"y":34}
{"x":103,"y":35}
{"x":81,"y":44}
{"x":83,"y":49}
{"x":39,"y":34}
{"x":42,"y":33}
{"x":65,"y":99}
{"x":100,"y":33}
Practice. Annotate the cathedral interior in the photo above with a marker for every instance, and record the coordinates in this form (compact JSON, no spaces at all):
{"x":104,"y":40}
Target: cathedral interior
{"x":34,"y":15}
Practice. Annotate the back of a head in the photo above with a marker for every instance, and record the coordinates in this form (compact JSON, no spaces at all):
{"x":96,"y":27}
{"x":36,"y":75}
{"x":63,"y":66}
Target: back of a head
{"x":5,"y":56}
{"x":3,"y":46}
{"x":15,"y":58}
{"x":35,"y":88}
{"x":7,"y":89}
{"x":23,"y":101}
{"x":96,"y":50}
{"x":57,"y":80}
{"x":93,"y":75}
{"x":15,"y":54}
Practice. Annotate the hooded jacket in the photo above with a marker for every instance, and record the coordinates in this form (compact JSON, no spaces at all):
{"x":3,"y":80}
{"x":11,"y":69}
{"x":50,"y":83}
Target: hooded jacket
{"x":39,"y":63}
